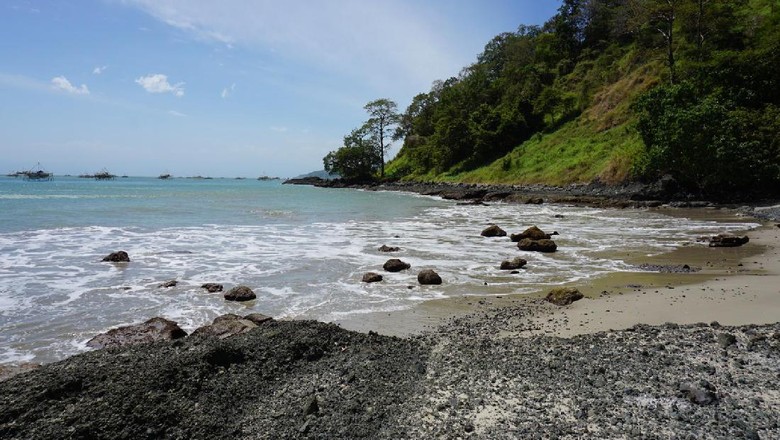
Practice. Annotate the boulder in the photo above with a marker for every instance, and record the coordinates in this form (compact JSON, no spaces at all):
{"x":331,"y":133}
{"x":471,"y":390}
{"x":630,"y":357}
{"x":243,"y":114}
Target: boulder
{"x":493,"y":231}
{"x":372,"y":277}
{"x":428,"y":277}
{"x":153,"y":330}
{"x":212,"y":287}
{"x":516,"y":263}
{"x":544,"y":245}
{"x":702,"y":393}
{"x":563,"y":296}
{"x":726,"y":240}
{"x":258,"y":318}
{"x":171,"y":283}
{"x":117,"y":257}
{"x":534,"y":233}
{"x":226,"y":326}
{"x":386,"y":248}
{"x":534,"y":201}
{"x":395,"y":265}
{"x":240,"y":293}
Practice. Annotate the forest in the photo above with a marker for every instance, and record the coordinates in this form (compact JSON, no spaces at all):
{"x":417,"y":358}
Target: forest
{"x":612,"y":91}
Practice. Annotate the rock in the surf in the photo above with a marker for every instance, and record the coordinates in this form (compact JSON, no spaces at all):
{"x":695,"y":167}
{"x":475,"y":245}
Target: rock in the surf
{"x":395,"y":265}
{"x":727,"y":240}
{"x":117,"y":257}
{"x":386,"y":248}
{"x":226,"y":326}
{"x":153,"y":330}
{"x":428,"y":277}
{"x":240,"y":293}
{"x":372,"y":277}
{"x":544,"y":245}
{"x":212,"y":287}
{"x":493,"y":231}
{"x":563,"y":296}
{"x":534,"y":233}
{"x":170,"y":283}
{"x":513,"y":264}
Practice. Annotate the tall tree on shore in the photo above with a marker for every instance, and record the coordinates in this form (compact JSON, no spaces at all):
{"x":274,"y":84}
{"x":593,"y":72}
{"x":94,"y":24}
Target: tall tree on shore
{"x":384,"y":118}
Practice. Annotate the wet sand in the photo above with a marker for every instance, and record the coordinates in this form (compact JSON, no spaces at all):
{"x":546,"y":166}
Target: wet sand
{"x":735,"y":286}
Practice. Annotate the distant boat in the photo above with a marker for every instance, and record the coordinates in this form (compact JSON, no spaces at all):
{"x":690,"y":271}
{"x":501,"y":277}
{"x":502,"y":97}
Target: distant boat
{"x":104,"y":175}
{"x":164,"y":176}
{"x":37,"y":173}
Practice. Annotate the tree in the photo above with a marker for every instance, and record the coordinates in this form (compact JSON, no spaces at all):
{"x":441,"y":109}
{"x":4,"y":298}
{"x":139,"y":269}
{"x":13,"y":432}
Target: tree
{"x":356,"y":159}
{"x":384,"y":117}
{"x":661,"y":16}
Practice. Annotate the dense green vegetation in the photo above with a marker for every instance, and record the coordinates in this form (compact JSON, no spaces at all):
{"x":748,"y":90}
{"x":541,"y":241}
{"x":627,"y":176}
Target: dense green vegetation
{"x":611,"y":90}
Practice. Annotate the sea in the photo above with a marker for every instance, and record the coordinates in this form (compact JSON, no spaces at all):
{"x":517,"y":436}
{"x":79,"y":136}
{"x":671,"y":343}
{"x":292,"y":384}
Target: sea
{"x":303,"y":250}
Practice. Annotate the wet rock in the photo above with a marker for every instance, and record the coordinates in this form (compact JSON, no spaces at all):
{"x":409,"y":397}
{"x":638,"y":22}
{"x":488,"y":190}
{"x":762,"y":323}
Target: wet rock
{"x":9,"y":371}
{"x":153,"y":330}
{"x":240,"y":293}
{"x":726,"y":340}
{"x":226,"y":326}
{"x":534,"y":233}
{"x":117,"y":257}
{"x":563,"y":296}
{"x":493,"y":231}
{"x":544,"y":245}
{"x":702,"y":393}
{"x":312,"y":406}
{"x":258,"y":318}
{"x":515,"y":263}
{"x":428,"y":277}
{"x":171,"y":283}
{"x":725,"y":240}
{"x":534,"y":201}
{"x":395,"y":265}
{"x":371,"y":277}
{"x":668,"y":268}
{"x":386,"y":248}
{"x":212,"y":287}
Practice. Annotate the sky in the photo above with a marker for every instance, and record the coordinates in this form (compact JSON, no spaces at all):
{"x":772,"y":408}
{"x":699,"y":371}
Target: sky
{"x":221,"y":88}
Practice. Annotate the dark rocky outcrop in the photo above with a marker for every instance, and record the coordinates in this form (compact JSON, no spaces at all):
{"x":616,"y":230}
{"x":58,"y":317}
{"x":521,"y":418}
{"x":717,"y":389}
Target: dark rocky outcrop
{"x":117,"y":257}
{"x":170,"y":283}
{"x":668,"y":268}
{"x":240,"y":293}
{"x":727,"y":240}
{"x":563,"y":296}
{"x":258,"y":318}
{"x":515,"y":263}
{"x":212,"y":287}
{"x":386,"y":248}
{"x":428,"y":277}
{"x":534,"y":233}
{"x":544,"y":245}
{"x":226,"y":326}
{"x":153,"y":330}
{"x":395,"y":265}
{"x":701,"y":393}
{"x":493,"y":231}
{"x":371,"y":277}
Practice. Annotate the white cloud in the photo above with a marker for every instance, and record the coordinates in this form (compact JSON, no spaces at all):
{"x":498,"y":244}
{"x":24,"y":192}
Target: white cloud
{"x":99,"y":69}
{"x":158,"y":83}
{"x":177,"y":114}
{"x":228,"y":91}
{"x":62,"y":83}
{"x":279,"y":129}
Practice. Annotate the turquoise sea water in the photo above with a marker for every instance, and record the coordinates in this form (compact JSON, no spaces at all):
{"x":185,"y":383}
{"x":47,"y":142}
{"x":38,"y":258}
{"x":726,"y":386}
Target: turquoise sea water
{"x":303,"y":251}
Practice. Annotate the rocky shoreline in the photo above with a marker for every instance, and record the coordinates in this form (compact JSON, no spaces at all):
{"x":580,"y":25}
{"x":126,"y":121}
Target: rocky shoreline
{"x":474,"y":377}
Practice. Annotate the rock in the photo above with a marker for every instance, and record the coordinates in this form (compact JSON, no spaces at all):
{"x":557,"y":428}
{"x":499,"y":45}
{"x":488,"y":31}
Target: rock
{"x":240,"y":293}
{"x":563,"y":296}
{"x":545,"y":245}
{"x":516,"y":263}
{"x":9,"y":371}
{"x":117,"y":257}
{"x":534,"y":201}
{"x":395,"y":265}
{"x":386,"y":248}
{"x":258,"y":318}
{"x":311,"y":406}
{"x":702,"y":393}
{"x":534,"y":233}
{"x":372,"y":277}
{"x":212,"y":287}
{"x":171,"y":283}
{"x":493,"y":231}
{"x":226,"y":326}
{"x":153,"y":330}
{"x":726,"y":340}
{"x":725,"y":240}
{"x":428,"y":277}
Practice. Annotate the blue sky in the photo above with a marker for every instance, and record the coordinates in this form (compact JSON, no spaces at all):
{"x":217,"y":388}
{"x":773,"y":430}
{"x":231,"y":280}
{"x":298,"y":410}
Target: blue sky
{"x":221,"y":88}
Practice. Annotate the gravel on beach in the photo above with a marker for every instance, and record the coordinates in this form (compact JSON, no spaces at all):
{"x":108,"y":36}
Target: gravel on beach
{"x":477,"y":376}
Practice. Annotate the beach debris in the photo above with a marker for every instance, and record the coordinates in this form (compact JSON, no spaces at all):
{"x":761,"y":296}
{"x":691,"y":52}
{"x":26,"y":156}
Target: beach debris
{"x":212,"y":287}
{"x":428,"y":277}
{"x":225,"y":326}
{"x":372,"y":277}
{"x":395,"y":265}
{"x":493,"y":231}
{"x":152,"y":330}
{"x":117,"y":257}
{"x":563,"y":296}
{"x":386,"y":248}
{"x":702,"y":393}
{"x":240,"y":293}
{"x":170,"y":283}
{"x":534,"y":233}
{"x":513,"y":264}
{"x":543,"y":245}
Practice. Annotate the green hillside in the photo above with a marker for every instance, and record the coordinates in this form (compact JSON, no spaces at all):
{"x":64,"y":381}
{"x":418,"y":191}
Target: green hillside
{"x":613,"y":90}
